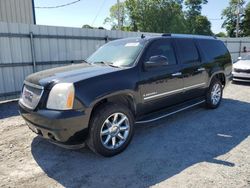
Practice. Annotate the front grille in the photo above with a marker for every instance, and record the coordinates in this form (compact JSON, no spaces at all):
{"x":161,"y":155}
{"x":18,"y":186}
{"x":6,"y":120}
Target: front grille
{"x":31,"y":95}
{"x":242,"y":70}
{"x":241,"y":78}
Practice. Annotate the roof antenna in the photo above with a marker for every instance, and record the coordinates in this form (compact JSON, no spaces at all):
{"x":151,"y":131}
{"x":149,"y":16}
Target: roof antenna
{"x":142,"y":36}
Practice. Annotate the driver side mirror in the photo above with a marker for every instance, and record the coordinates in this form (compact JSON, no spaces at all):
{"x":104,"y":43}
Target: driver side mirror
{"x":156,"y":61}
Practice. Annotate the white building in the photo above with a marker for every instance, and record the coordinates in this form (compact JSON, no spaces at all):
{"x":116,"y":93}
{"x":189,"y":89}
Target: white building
{"x":17,"y":11}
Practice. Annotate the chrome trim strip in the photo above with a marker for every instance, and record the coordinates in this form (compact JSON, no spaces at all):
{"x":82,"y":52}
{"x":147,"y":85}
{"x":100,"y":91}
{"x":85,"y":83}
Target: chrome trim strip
{"x":175,"y":91}
{"x":163,"y":94}
{"x":171,"y":113}
{"x":33,"y":85}
{"x":240,"y":80}
{"x":194,"y":86}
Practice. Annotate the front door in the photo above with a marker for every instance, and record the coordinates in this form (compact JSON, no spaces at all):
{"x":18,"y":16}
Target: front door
{"x":162,"y":86}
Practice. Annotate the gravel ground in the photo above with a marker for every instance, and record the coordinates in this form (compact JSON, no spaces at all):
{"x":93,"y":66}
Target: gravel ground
{"x":195,"y":148}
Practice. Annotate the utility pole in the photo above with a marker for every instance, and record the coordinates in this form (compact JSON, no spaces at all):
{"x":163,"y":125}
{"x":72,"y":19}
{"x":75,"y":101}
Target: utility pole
{"x":238,"y":19}
{"x":119,"y":15}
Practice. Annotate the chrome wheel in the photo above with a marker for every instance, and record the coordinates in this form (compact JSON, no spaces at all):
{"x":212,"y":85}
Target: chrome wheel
{"x":115,"y":131}
{"x":216,"y":94}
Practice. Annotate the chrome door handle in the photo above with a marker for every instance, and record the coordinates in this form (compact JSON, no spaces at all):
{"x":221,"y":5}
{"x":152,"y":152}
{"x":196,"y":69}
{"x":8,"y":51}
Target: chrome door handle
{"x":177,"y":74}
{"x":201,"y":69}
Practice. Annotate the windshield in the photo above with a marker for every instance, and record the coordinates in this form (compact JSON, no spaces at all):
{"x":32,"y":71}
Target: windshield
{"x":120,"y":53}
{"x":245,"y":57}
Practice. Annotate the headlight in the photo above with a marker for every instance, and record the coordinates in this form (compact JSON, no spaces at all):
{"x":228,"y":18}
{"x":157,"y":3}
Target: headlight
{"x":61,"y":97}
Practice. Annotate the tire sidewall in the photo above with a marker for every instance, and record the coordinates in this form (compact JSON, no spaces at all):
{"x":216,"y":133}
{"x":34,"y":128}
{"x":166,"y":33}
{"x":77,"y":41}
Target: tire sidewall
{"x":97,"y":125}
{"x":208,"y":96}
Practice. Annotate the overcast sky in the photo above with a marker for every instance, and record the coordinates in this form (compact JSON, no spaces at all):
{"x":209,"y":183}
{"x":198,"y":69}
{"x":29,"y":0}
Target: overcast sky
{"x":95,"y":11}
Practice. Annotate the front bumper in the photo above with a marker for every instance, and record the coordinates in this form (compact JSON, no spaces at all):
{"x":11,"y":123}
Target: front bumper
{"x":65,"y":128}
{"x":243,"y":77}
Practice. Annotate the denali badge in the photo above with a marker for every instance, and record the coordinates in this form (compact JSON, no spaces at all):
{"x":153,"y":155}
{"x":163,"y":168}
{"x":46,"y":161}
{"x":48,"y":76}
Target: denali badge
{"x":149,"y":94}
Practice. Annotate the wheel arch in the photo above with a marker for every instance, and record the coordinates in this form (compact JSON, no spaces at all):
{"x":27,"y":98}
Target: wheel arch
{"x":220,"y":75}
{"x":125,"y":98}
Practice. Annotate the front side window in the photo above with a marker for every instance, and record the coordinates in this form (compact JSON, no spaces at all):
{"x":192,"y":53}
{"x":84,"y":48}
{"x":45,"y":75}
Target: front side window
{"x":187,"y":50}
{"x":121,"y":53}
{"x":161,"y":48}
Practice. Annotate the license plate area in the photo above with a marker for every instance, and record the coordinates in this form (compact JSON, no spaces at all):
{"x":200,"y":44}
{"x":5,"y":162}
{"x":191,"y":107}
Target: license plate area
{"x":31,"y":96}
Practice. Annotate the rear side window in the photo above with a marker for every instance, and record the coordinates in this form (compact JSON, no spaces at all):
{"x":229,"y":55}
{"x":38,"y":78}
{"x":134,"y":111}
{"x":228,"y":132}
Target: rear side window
{"x":161,"y":47}
{"x":213,"y":49}
{"x":187,"y":50}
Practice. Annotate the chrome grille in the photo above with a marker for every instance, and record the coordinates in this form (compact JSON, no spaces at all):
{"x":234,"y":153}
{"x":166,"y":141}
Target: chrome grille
{"x":31,"y":95}
{"x":242,"y":70}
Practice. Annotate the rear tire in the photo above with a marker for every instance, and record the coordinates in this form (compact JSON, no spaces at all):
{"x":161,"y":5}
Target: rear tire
{"x":214,"y":94}
{"x":111,"y":129}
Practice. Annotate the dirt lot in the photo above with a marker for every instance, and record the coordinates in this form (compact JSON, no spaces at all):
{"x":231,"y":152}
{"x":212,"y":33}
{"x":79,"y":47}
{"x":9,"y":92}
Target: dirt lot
{"x":195,"y":148}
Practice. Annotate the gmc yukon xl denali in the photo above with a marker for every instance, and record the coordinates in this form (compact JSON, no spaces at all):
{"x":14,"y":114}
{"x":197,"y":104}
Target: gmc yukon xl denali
{"x":125,"y":82}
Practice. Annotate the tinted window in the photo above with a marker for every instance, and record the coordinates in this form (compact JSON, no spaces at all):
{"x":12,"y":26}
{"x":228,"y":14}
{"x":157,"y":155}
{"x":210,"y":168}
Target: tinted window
{"x":213,"y":49}
{"x":161,"y":47}
{"x":187,"y":50}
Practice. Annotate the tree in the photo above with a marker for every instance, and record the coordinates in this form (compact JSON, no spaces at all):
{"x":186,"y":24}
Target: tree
{"x":161,"y":16}
{"x":246,"y":21}
{"x":197,"y":24}
{"x":194,"y":7}
{"x":165,"y":16}
{"x":86,"y":26}
{"x":114,"y":16}
{"x":230,"y":15}
{"x":202,"y":26}
{"x":221,"y":34}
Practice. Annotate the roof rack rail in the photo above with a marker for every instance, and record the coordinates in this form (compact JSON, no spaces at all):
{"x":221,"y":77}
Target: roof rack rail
{"x":187,"y":35}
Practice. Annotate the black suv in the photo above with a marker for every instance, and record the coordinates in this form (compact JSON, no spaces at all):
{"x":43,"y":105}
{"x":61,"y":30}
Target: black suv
{"x":125,"y":82}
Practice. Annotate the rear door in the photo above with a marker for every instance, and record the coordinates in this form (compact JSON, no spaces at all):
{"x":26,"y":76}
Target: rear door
{"x":160,"y":87}
{"x":193,"y":72}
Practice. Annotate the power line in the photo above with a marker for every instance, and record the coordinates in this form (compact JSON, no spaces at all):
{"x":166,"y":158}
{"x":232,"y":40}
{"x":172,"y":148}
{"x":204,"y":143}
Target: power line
{"x":98,"y":12}
{"x":59,"y":6}
{"x":215,"y":18}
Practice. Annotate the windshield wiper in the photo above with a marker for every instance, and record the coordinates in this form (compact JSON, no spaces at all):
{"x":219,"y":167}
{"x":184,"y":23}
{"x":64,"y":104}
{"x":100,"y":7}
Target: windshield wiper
{"x":107,"y":63}
{"x":84,"y":61}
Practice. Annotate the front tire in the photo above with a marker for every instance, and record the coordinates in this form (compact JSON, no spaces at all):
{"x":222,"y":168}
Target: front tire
{"x":111,"y":129}
{"x":214,"y":94}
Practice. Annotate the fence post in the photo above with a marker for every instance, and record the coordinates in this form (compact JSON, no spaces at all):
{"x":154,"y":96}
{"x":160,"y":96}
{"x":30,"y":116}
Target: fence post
{"x":240,"y":48}
{"x":33,"y":52}
{"x":106,"y":39}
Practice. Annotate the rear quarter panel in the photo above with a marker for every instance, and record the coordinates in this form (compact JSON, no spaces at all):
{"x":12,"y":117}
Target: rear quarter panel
{"x":216,"y":59}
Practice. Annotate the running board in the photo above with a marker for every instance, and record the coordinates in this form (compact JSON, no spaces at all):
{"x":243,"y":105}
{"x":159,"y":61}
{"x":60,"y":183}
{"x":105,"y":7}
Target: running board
{"x":168,"y":112}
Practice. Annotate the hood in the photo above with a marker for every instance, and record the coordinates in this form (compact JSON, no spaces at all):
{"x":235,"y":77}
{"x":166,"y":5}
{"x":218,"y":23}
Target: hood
{"x":242,"y":64}
{"x":70,"y":73}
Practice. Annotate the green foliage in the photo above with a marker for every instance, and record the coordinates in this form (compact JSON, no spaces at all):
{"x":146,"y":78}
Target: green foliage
{"x":86,"y":26}
{"x":162,"y":16}
{"x":114,"y":15}
{"x":221,"y":34}
{"x":229,"y":13}
{"x":196,"y":23}
{"x":194,"y":7}
{"x":201,"y":26}
{"x":246,"y":21}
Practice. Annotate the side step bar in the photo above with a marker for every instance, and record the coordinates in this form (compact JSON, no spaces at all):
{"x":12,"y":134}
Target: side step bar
{"x":169,"y":113}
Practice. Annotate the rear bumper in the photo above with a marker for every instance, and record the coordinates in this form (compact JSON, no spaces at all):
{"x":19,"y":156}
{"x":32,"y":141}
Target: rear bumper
{"x":65,"y":128}
{"x":243,"y":77}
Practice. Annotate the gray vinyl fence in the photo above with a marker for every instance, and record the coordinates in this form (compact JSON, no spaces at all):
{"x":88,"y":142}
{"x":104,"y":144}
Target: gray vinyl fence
{"x":25,"y":49}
